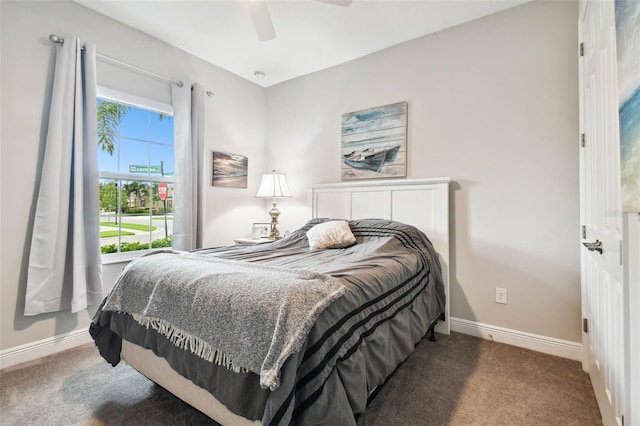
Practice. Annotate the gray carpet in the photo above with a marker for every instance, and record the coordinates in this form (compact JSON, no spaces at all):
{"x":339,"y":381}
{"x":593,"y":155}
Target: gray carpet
{"x":459,"y":380}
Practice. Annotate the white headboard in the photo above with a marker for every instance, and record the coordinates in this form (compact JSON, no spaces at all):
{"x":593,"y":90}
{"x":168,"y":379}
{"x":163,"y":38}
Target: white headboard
{"x":423,"y":203}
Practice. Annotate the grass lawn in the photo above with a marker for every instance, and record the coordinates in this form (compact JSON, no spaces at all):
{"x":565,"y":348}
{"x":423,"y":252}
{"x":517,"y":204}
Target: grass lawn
{"x":106,"y":234}
{"x":129,"y":226}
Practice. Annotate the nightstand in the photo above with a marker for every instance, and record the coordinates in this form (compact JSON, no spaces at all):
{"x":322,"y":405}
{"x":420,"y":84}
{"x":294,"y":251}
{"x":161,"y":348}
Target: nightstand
{"x":251,"y":241}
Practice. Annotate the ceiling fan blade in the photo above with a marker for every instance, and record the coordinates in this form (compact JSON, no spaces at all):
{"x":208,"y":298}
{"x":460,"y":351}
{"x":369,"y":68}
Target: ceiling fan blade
{"x":343,"y":3}
{"x":261,"y":20}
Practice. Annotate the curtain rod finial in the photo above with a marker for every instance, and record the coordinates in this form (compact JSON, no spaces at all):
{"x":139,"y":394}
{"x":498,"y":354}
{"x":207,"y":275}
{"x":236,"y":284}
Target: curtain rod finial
{"x":55,"y":39}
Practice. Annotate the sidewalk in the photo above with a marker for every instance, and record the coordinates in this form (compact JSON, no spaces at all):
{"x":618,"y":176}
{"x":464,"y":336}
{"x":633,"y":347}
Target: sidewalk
{"x":141,"y":236}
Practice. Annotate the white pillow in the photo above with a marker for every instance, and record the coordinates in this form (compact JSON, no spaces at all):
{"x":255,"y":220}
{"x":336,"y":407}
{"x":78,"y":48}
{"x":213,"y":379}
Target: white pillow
{"x":331,"y":234}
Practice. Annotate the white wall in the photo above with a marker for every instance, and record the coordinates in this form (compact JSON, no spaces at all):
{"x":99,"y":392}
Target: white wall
{"x":235,"y":122}
{"x":492,"y":103}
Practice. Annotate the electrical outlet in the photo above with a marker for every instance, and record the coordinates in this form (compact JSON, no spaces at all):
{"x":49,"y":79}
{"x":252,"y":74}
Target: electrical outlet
{"x":501,"y":295}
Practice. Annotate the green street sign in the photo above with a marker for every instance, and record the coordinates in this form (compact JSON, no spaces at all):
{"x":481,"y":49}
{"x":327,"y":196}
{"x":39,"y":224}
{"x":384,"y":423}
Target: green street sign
{"x":144,"y":169}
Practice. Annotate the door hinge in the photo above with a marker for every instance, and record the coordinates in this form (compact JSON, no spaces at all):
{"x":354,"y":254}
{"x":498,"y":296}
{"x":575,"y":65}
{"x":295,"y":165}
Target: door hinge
{"x":583,"y":140}
{"x":622,"y":418}
{"x":584,"y":232}
{"x":581,"y":49}
{"x":585,"y":325}
{"x":620,"y":252}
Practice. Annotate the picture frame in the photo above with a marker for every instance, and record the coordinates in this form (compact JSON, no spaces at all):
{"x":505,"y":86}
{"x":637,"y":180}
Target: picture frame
{"x":260,"y":230}
{"x":374,"y":142}
{"x":628,"y":47}
{"x":229,"y":170}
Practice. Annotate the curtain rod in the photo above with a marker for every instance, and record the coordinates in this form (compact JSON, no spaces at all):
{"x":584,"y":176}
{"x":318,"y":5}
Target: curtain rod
{"x":57,"y":40}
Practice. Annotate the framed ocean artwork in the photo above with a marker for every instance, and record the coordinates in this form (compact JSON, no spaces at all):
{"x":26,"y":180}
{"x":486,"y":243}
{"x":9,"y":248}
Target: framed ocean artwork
{"x":374,"y":143}
{"x":229,"y":170}
{"x":628,"y":52}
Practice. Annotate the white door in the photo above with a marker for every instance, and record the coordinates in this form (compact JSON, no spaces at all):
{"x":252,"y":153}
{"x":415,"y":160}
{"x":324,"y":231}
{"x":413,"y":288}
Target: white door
{"x":602,"y":274}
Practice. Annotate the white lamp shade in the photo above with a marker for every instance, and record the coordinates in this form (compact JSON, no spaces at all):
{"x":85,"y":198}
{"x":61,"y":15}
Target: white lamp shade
{"x":274,"y":185}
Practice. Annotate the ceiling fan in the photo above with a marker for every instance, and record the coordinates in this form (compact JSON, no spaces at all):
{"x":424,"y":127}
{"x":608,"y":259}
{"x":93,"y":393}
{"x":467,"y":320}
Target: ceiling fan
{"x":259,"y":11}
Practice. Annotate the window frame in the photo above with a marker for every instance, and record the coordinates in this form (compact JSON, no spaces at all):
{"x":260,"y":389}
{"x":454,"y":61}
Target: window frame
{"x":150,"y":105}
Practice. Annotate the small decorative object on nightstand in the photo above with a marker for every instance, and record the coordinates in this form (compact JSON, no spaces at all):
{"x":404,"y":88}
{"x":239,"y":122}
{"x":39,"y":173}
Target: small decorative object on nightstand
{"x":260,"y":230}
{"x":274,"y":185}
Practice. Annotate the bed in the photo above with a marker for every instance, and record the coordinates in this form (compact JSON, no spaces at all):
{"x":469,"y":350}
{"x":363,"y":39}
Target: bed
{"x":292,"y":335}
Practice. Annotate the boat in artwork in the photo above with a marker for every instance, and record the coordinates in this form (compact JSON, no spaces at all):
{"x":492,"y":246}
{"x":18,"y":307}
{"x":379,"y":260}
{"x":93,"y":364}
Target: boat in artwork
{"x":371,"y":158}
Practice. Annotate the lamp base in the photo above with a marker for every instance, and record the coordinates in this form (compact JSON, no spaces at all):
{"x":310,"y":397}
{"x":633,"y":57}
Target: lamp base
{"x":274,"y":213}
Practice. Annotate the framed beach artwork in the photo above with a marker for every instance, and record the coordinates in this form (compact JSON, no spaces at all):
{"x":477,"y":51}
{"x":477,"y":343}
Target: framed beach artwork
{"x":628,"y":52}
{"x":229,"y":170}
{"x":374,"y":143}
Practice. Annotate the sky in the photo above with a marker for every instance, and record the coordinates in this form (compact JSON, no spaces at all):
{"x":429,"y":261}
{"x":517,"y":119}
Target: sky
{"x":132,"y":147}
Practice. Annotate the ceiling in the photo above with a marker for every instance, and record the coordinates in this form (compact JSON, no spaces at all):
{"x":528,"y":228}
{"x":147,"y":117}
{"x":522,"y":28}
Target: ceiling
{"x":311,"y":35}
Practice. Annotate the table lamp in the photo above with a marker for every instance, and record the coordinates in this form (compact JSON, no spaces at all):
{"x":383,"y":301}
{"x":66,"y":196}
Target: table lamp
{"x":274,"y":185}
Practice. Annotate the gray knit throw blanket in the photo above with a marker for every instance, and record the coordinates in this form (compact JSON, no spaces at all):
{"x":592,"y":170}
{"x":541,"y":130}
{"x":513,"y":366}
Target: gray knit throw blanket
{"x":244,"y":316}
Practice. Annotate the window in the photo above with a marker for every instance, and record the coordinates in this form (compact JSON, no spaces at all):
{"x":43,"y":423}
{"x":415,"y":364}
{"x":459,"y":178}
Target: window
{"x":135,"y":164}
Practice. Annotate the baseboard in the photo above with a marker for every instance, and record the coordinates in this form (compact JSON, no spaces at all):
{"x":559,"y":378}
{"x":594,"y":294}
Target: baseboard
{"x":34,"y":350}
{"x":535,"y":342}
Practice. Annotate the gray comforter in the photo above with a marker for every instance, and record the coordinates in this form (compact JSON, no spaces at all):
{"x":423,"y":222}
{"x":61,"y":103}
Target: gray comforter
{"x":210,"y":307}
{"x":393,"y":294}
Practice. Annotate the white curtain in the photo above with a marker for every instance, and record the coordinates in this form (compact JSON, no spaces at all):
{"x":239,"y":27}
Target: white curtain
{"x":188,"y":119}
{"x":65,"y":270}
